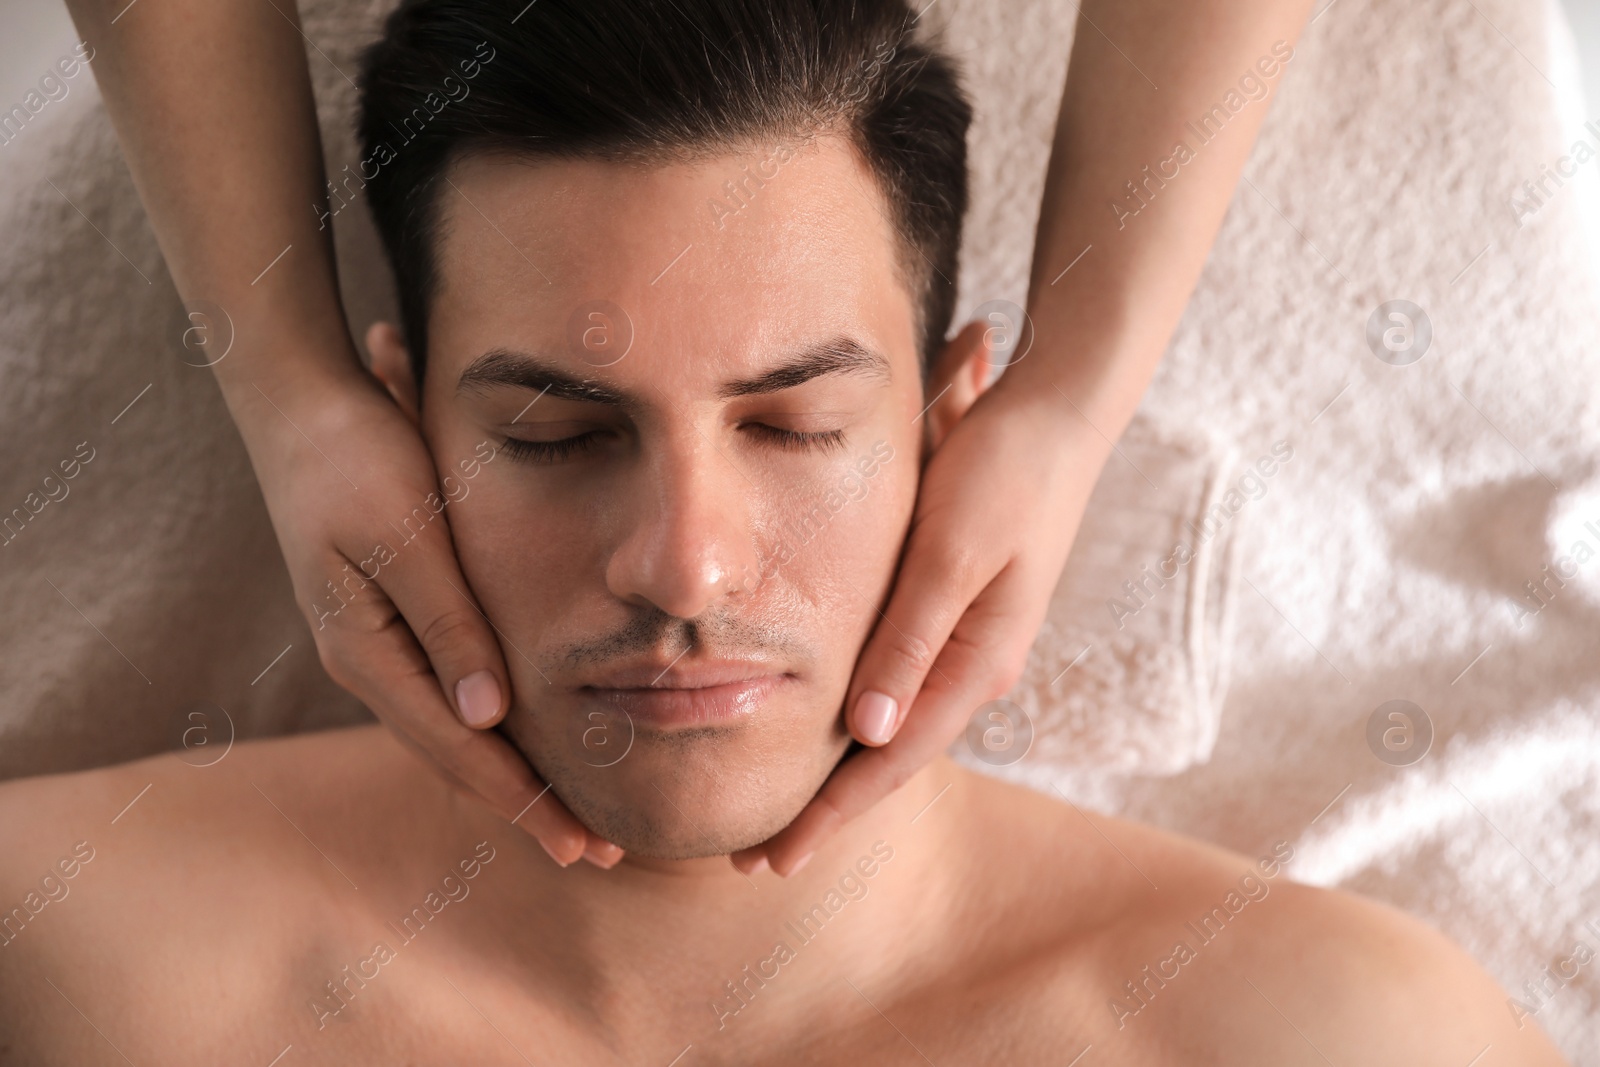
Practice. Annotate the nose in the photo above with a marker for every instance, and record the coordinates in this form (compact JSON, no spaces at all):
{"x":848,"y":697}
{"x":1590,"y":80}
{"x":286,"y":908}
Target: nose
{"x":687,"y":544}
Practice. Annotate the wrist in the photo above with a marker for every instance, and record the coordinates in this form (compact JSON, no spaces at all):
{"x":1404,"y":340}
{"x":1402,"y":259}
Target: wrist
{"x":1066,"y":407}
{"x":1092,"y":368}
{"x":293,"y":386}
{"x":1052,"y":423}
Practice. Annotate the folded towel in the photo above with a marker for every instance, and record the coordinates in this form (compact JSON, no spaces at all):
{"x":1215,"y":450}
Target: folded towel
{"x":1131,"y":665}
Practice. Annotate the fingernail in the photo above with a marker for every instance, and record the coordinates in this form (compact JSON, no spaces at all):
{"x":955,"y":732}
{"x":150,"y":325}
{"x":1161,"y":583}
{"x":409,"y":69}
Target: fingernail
{"x":875,"y":716}
{"x":551,"y":854}
{"x":799,"y":864}
{"x":759,"y":865}
{"x":478,"y":698}
{"x":605,"y":856}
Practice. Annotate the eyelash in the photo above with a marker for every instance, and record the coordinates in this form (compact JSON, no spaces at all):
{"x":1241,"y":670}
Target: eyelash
{"x":555,"y":451}
{"x":825,"y":440}
{"x":546,"y":451}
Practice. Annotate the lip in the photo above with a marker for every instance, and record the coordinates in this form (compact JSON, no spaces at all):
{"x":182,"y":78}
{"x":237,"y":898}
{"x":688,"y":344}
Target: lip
{"x":669,"y":706}
{"x":683,"y":674}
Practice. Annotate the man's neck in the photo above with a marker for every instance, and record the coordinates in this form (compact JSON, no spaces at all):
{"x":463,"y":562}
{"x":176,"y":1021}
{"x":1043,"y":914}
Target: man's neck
{"x":697,"y":939}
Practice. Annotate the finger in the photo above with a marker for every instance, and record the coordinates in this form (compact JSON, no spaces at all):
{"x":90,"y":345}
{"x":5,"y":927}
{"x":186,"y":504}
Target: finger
{"x":384,"y":666}
{"x":982,"y":659}
{"x":602,"y":854}
{"x":935,"y":584}
{"x":492,"y":769}
{"x":856,"y":785}
{"x":546,"y":818}
{"x":427,"y":587}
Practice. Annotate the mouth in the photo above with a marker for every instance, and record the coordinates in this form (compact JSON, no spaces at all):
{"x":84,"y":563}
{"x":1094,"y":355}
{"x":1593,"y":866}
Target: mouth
{"x":693,"y":695}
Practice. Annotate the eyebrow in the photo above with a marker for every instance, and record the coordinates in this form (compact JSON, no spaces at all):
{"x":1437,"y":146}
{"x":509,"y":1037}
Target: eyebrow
{"x":502,"y":367}
{"x":837,"y":355}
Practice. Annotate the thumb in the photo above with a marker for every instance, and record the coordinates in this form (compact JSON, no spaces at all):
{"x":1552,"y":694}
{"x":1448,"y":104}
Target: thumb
{"x":931,"y":591}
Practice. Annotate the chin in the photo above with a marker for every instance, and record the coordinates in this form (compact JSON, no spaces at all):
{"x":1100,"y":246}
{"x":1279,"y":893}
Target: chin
{"x":688,"y":794}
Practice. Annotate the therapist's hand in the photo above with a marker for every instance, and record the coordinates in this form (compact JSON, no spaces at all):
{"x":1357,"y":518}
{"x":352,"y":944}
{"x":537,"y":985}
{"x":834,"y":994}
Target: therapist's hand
{"x":342,"y":467}
{"x":997,"y":509}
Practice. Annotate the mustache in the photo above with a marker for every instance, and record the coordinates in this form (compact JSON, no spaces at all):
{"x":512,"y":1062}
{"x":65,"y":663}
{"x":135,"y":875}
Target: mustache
{"x":650,"y":630}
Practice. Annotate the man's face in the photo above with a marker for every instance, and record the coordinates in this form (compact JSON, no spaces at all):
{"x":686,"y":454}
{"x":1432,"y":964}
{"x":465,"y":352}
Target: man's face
{"x":683,"y":564}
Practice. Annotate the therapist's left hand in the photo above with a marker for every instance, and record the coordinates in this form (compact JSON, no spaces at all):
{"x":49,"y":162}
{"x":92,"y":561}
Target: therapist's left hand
{"x":997,"y":510}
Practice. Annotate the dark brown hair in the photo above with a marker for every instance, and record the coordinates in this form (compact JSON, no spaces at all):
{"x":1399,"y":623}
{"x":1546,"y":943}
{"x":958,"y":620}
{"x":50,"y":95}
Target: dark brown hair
{"x":662,"y":80}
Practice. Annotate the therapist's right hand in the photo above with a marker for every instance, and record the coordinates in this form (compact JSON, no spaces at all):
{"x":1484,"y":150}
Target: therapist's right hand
{"x":339,"y":463}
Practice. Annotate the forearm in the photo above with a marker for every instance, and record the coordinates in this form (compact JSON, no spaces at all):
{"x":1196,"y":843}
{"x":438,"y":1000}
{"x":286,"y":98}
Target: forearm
{"x":1135,"y":251}
{"x":212,"y":103}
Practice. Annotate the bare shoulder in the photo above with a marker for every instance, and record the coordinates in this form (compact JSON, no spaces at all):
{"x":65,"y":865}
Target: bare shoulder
{"x":1156,"y":948}
{"x":1354,"y":979}
{"x":167,"y":874}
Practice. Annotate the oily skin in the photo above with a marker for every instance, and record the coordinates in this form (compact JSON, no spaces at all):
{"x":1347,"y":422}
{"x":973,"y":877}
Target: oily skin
{"x":669,"y":535}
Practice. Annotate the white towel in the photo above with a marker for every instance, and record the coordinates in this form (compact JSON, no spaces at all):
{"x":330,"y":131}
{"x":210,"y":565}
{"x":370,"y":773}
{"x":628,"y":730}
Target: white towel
{"x":1131,"y":665}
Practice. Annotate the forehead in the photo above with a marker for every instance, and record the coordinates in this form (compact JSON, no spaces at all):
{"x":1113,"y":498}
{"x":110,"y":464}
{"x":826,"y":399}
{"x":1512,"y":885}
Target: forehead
{"x":716,"y":259}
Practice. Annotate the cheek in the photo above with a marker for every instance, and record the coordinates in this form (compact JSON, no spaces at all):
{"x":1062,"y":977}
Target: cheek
{"x":833,"y":546}
{"x":501,"y":538}
{"x":507,"y":545}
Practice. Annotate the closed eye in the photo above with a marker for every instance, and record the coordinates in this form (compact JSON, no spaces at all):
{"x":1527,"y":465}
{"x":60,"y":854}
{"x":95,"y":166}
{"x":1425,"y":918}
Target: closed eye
{"x":548,"y":452}
{"x":543,"y":452}
{"x":794,"y":440}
